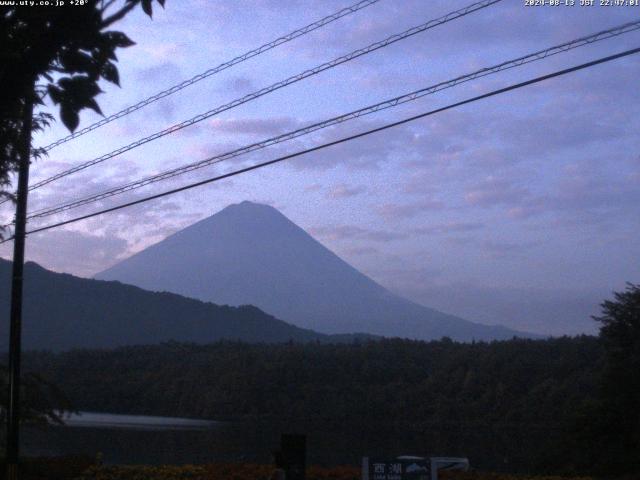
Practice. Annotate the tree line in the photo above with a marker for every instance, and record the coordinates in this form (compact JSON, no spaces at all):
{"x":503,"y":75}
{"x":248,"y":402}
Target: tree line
{"x":518,"y":381}
{"x":522,"y":395}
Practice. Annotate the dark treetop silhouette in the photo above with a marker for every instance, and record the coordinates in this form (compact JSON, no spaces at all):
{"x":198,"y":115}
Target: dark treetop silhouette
{"x":59,"y":52}
{"x":37,"y":44}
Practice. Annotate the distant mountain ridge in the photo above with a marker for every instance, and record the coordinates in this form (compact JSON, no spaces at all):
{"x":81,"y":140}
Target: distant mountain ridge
{"x":250,"y":253}
{"x":61,"y":312}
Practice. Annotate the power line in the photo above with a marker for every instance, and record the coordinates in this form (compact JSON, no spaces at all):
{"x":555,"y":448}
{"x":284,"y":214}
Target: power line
{"x":539,"y":55}
{"x":212,"y":71}
{"x":276,"y":86}
{"x":342,"y":140}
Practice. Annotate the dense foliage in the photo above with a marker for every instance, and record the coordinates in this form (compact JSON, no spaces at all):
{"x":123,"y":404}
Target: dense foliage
{"x":496,"y":402}
{"x":519,"y":381}
{"x":609,"y":427}
{"x":61,"y":53}
{"x":42,"y":401}
{"x":620,"y":333}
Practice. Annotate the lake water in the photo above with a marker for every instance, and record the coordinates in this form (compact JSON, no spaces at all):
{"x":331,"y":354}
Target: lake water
{"x":136,"y":439}
{"x":132,"y":422}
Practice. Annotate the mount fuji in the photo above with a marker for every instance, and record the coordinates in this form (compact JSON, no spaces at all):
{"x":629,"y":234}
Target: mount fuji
{"x":251,"y":253}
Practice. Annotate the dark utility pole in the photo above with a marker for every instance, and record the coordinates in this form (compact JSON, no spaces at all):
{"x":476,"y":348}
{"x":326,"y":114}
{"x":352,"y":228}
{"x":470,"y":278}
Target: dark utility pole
{"x":13,"y":411}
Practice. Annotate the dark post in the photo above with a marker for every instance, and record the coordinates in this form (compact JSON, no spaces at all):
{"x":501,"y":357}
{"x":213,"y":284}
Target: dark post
{"x":13,"y":411}
{"x":294,"y":456}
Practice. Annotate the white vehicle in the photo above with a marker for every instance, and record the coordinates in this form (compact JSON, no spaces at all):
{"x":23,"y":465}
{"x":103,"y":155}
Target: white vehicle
{"x":448,"y":463}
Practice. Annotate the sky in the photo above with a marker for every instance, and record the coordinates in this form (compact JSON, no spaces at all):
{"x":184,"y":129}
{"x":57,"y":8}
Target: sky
{"x":521,"y":210}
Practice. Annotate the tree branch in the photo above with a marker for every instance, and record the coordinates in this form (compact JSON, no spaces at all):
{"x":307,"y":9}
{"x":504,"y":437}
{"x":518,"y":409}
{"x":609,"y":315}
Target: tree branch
{"x":106,"y":6}
{"x":119,"y":14}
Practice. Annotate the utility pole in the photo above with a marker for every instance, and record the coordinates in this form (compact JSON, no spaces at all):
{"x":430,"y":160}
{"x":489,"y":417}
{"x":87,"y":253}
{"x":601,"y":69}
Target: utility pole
{"x":13,"y":410}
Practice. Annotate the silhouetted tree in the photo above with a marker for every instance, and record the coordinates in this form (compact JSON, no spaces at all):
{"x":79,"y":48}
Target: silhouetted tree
{"x":57,"y":52}
{"x":42,"y":401}
{"x":620,"y":385}
{"x":61,"y":53}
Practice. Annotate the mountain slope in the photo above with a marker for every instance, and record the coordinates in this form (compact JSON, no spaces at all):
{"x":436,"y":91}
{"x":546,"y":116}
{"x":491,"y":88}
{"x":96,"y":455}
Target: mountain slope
{"x":62,"y":312}
{"x":252,"y":254}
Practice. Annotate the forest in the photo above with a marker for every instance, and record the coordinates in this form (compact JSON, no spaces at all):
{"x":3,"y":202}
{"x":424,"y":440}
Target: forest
{"x":518,"y":381}
{"x":516,"y":399}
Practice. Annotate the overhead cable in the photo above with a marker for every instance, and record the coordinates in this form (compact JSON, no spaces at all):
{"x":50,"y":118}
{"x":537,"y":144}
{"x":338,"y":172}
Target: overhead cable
{"x":276,"y":86}
{"x":212,"y":71}
{"x":339,"y":141}
{"x":408,"y":97}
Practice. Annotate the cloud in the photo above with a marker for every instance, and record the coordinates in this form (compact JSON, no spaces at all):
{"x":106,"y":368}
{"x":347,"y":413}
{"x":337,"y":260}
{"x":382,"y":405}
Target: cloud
{"x":545,"y":311}
{"x":165,"y":72}
{"x":361,"y":251}
{"x":82,"y":184}
{"x":449,"y":227}
{"x":76,"y":252}
{"x":366,"y":153}
{"x":345,"y":191}
{"x":314,"y":187}
{"x":417,"y":275}
{"x":267,"y":127}
{"x":391,"y":211}
{"x":499,"y":249}
{"x":585,"y":192}
{"x":163,"y":52}
{"x":239,"y":85}
{"x":523,"y":212}
{"x":352,"y":232}
{"x":493,"y":191}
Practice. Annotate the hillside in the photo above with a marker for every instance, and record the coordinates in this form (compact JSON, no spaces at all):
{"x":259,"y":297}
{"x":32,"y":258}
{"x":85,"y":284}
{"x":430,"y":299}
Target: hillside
{"x":62,"y":312}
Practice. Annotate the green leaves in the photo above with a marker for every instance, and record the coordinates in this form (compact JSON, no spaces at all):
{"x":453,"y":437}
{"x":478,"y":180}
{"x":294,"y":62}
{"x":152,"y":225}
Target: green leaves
{"x":68,"y":50}
{"x":78,"y":62}
{"x":118,"y":39}
{"x":110,"y":73}
{"x":74,"y":94}
{"x":88,"y":58}
{"x":91,"y":57}
{"x":146,"y":6}
{"x":69,"y":117}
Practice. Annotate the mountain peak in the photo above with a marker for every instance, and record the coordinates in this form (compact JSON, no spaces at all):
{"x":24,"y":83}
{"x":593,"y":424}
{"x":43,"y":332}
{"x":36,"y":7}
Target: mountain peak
{"x":234,"y":224}
{"x":247,"y":207}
